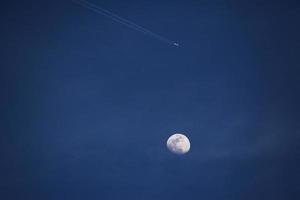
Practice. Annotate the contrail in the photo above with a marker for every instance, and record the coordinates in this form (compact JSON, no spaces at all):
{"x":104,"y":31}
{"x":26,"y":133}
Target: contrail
{"x":123,"y":21}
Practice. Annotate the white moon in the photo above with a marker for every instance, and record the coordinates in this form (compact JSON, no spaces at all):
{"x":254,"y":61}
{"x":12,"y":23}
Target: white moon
{"x":178,"y":143}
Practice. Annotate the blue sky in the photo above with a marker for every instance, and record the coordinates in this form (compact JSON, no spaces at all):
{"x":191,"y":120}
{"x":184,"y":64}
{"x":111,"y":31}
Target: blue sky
{"x":87,"y":104}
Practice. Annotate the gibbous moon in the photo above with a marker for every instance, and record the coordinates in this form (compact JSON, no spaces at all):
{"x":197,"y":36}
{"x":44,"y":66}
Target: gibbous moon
{"x":178,"y":143}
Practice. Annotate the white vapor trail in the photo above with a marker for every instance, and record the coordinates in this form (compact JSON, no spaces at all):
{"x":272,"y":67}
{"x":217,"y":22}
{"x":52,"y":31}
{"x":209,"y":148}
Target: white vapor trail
{"x":123,"y":21}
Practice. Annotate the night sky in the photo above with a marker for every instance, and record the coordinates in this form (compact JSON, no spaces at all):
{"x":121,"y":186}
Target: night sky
{"x":87,"y":104}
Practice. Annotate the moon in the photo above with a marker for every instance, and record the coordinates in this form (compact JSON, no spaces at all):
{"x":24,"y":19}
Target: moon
{"x":178,"y":144}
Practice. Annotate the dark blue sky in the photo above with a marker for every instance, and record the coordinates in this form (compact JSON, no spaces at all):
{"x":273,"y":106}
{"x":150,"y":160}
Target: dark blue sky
{"x":87,"y":104}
